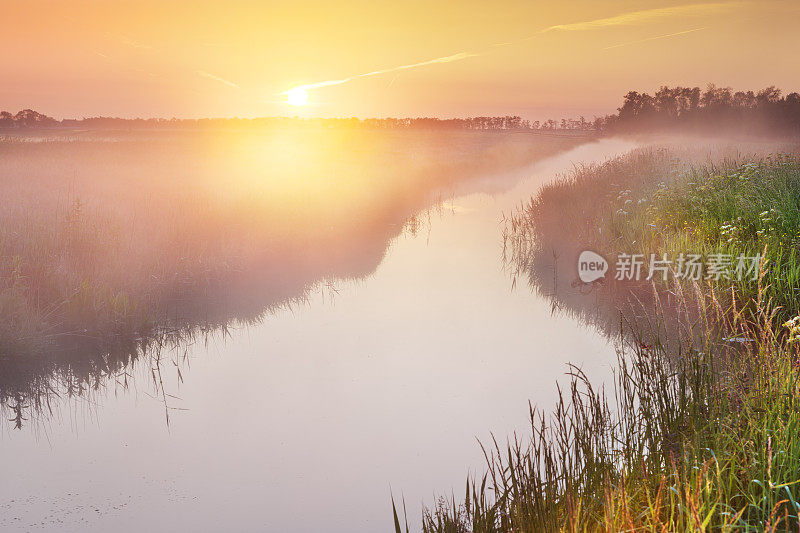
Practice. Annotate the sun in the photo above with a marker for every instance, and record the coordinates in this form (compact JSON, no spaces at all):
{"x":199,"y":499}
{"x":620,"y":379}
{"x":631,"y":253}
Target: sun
{"x":297,"y":96}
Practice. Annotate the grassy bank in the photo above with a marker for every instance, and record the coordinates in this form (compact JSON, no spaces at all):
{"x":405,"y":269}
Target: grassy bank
{"x":670,"y":201}
{"x":698,"y":432}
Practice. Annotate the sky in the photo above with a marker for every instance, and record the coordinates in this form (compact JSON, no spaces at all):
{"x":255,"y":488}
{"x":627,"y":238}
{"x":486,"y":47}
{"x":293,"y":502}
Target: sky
{"x":378,"y":58}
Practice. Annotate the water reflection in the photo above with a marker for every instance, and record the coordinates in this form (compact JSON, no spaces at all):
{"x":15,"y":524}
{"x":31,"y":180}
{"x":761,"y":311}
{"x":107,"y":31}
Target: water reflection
{"x":637,"y":313}
{"x":208,"y":233}
{"x":324,"y":405}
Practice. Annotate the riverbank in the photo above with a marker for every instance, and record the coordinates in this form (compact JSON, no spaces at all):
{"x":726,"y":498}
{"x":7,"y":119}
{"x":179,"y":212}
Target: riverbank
{"x":698,"y":430}
{"x":111,"y":244}
{"x":395,"y":353}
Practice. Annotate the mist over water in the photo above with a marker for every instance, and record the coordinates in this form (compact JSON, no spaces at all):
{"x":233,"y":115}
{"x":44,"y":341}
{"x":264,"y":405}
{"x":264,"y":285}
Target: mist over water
{"x":366,"y":347}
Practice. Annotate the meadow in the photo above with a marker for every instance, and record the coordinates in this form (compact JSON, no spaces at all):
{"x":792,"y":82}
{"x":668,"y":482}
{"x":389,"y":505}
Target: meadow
{"x":114,"y":240}
{"x":697,"y":432}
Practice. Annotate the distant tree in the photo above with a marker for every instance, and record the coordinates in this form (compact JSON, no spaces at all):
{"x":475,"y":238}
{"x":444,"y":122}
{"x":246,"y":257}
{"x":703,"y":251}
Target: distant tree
{"x":7,"y":120}
{"x":28,"y":118}
{"x":714,"y":109}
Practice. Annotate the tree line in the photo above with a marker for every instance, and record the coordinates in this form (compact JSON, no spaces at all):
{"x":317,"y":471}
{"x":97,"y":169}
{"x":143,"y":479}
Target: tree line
{"x":681,"y":109}
{"x":713,"y":110}
{"x":28,"y":118}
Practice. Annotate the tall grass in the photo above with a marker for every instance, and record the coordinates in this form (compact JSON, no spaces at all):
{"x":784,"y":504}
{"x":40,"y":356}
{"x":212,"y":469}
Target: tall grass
{"x":698,"y":430}
{"x":111,"y":246}
{"x":114,"y":237}
{"x":699,"y":440}
{"x":673,"y":200}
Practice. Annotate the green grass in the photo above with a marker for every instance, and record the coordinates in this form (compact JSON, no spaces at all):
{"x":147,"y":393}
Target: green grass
{"x":706,"y":442}
{"x":674,"y":201}
{"x":745,"y":208}
{"x":697,"y":433}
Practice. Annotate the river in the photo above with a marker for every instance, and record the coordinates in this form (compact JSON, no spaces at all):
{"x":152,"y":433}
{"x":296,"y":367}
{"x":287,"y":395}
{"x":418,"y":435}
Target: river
{"x":308,"y":420}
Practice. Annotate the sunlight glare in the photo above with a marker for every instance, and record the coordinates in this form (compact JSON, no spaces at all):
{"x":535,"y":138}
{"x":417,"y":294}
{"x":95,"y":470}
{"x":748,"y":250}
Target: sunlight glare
{"x":297,"y":97}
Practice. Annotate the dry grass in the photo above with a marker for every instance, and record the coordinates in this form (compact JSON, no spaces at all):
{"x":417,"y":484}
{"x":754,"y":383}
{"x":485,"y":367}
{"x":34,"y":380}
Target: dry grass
{"x":111,"y":244}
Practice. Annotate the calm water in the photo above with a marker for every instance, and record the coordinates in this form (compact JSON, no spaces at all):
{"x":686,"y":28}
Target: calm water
{"x":306,"y":421}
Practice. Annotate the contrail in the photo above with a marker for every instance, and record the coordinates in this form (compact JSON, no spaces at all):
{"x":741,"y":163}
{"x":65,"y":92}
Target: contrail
{"x":654,"y":38}
{"x":217,"y":78}
{"x":446,"y":59}
{"x":632,"y":17}
{"x":153,"y":50}
{"x":134,"y":44}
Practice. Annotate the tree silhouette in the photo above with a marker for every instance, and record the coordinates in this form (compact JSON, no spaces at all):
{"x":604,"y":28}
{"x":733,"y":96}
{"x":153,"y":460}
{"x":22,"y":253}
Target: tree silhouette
{"x":714,"y":110}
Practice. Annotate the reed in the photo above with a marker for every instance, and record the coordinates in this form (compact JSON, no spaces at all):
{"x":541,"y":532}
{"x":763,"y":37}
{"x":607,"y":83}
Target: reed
{"x":115,"y":243}
{"x":698,"y":439}
{"x":698,"y":430}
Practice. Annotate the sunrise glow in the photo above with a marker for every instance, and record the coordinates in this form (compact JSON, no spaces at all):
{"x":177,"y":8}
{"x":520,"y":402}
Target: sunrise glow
{"x":293,"y":266}
{"x":297,"y":97}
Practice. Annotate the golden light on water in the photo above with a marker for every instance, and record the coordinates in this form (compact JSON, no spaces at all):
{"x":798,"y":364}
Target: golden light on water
{"x":297,"y":96}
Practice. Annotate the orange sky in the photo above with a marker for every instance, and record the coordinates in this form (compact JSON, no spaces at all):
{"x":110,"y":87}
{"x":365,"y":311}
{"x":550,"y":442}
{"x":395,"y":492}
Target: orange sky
{"x":235,"y":58}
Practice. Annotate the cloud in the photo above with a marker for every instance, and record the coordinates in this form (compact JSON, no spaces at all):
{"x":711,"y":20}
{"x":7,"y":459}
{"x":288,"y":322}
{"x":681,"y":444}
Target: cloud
{"x":216,"y":78}
{"x":648,"y":15}
{"x":633,"y":17}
